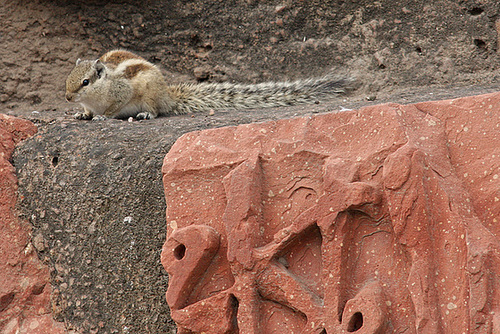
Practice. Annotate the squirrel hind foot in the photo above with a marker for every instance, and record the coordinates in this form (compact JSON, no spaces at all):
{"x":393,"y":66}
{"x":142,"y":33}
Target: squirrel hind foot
{"x":98,"y":118}
{"x":82,"y":116}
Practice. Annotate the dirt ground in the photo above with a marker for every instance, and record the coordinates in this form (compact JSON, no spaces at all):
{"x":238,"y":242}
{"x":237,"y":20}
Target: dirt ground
{"x":92,"y":190}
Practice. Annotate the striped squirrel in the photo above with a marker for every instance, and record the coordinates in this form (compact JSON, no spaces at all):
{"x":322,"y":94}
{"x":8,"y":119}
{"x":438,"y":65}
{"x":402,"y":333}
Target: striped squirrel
{"x":121,"y":84}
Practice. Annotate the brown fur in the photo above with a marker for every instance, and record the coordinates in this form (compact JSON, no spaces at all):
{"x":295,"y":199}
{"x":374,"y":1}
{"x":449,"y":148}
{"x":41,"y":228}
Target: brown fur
{"x":132,"y":70}
{"x":118,"y":56}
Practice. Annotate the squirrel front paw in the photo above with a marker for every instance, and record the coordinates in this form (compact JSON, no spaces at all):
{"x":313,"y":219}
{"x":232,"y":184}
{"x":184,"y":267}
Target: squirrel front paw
{"x":144,"y":115}
{"x":82,"y":115}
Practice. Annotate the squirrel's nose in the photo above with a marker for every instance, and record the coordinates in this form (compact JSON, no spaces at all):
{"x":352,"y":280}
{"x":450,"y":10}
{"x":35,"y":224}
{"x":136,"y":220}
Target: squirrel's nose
{"x":69,"y":97}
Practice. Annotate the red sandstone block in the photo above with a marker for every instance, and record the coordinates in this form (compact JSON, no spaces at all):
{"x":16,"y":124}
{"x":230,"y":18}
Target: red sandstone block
{"x":378,"y":220}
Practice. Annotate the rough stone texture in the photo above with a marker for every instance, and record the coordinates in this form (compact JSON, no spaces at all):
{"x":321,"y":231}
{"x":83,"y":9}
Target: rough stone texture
{"x":93,"y":193}
{"x":94,"y":196}
{"x":24,"y":280}
{"x":378,"y":220}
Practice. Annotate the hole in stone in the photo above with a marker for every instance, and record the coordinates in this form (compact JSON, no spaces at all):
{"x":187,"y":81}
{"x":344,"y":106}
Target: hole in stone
{"x":55,"y":161}
{"x":234,"y":304}
{"x":480,"y":43}
{"x":323,"y":331}
{"x":5,"y":300}
{"x":475,"y":11}
{"x":38,"y":289}
{"x":355,"y":323}
{"x":418,"y":49}
{"x":180,"y":252}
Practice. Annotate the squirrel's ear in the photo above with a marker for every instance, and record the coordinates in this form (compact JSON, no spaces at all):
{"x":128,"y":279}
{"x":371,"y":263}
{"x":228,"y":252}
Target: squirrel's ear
{"x":99,"y":66}
{"x":78,"y":61}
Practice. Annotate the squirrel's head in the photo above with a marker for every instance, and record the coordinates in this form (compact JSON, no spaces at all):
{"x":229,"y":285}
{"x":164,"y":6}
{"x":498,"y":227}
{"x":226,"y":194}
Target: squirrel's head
{"x":82,"y":77}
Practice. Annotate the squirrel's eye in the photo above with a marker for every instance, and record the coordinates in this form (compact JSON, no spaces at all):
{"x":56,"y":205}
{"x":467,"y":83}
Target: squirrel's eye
{"x":85,"y":82}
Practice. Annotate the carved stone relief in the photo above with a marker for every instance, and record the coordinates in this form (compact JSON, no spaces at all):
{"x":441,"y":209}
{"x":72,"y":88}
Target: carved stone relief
{"x":352,"y":222}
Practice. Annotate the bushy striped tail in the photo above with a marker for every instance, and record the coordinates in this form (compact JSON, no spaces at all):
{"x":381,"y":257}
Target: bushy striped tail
{"x":188,"y":98}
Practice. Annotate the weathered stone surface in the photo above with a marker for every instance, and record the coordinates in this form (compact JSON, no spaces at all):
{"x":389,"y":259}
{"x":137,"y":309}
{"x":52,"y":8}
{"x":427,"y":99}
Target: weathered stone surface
{"x":24,"y":280}
{"x":379,"y":220}
{"x":92,"y":193}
